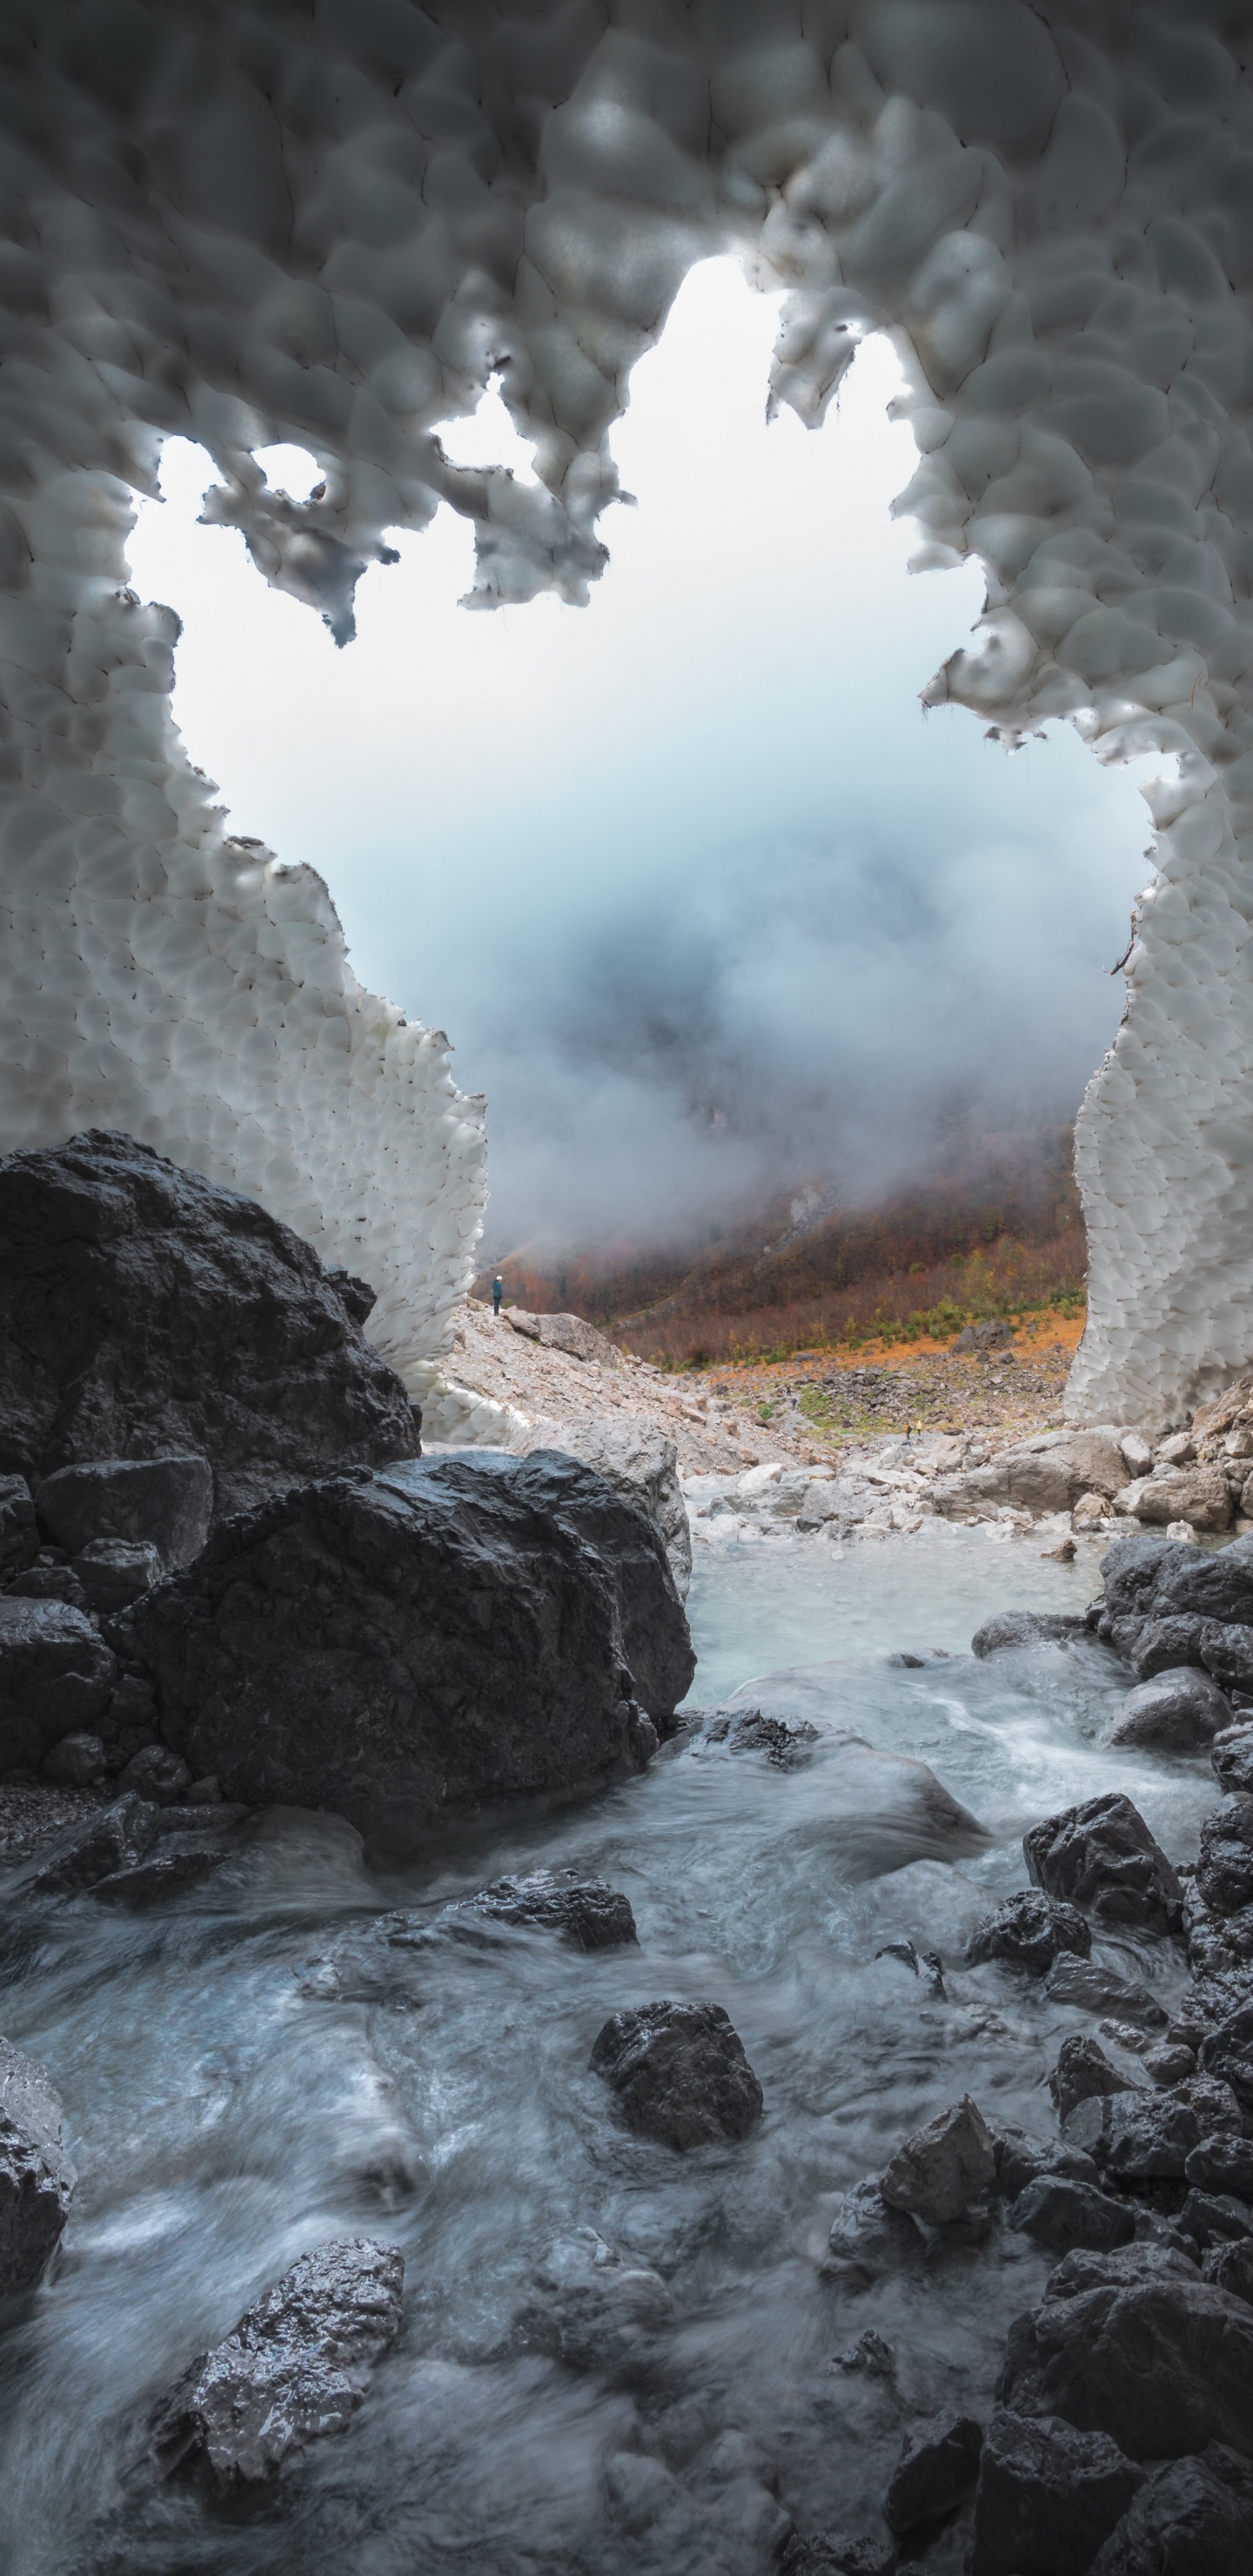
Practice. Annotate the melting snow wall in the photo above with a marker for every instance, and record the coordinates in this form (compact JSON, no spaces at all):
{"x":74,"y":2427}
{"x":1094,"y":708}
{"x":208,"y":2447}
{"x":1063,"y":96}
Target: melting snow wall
{"x":328,"y":222}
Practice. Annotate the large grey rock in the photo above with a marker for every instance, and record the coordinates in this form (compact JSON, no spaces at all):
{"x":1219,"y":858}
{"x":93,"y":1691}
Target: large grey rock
{"x":1200,"y":1495}
{"x":1047,"y":2496}
{"x":1185,"y":2521}
{"x":1162,"y":1645}
{"x":1024,"y":1628}
{"x":1103,"y":1857}
{"x":937,"y":2469}
{"x":638,"y":1457}
{"x":1047,"y":1475}
{"x":19,"y":1537}
{"x":680,"y":2073}
{"x":442,"y":1633}
{"x":1030,"y":1931}
{"x":568,"y":1333}
{"x":1224,"y":1871}
{"x":1160,"y":2360}
{"x":56,"y":1678}
{"x":937,"y":2172}
{"x":36,"y":2177}
{"x":1215,"y":1584}
{"x":1176,"y":1712}
{"x":295,"y":2369}
{"x":144,"y":1310}
{"x":163,"y":1502}
{"x":869,"y":2238}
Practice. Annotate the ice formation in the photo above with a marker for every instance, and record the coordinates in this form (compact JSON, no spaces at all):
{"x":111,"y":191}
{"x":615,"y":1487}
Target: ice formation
{"x":329,"y":222}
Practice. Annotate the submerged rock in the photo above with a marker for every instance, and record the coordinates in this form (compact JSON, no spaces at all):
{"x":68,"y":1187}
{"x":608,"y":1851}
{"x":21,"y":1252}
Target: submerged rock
{"x":36,"y":2177}
{"x":786,"y":1742}
{"x":1024,"y":1628}
{"x":868,"y":2237}
{"x":591,"y":1913}
{"x":440,"y":1634}
{"x":1047,"y":2497}
{"x":937,"y":2172}
{"x":592,"y":2309}
{"x":938,"y":2467}
{"x":1095,"y":1989}
{"x":295,"y":2369}
{"x":680,"y":2072}
{"x":1177,"y":1712}
{"x":1029,"y":1931}
{"x":56,"y":1678}
{"x":1103,"y":1857}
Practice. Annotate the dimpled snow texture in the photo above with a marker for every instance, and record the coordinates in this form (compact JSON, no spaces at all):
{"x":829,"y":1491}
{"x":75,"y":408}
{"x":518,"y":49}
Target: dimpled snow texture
{"x":330,"y":225}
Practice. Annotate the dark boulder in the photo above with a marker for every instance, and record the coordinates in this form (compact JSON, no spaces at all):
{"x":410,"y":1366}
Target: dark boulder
{"x":836,"y":2553}
{"x":115,"y":1838}
{"x":1227,"y":1652}
{"x":1047,"y":2496}
{"x":1060,"y":2215}
{"x":1224,"y":1871}
{"x":1022,"y":2159}
{"x":1215,"y":2218}
{"x":56,"y":1678}
{"x":1229,"y":2265}
{"x":45,"y":1582}
{"x":1082,"y":2070}
{"x":1222,"y":2163}
{"x":938,"y":2171}
{"x":77,"y":1762}
{"x":1131,"y":1571}
{"x":440,"y":1634}
{"x":1185,"y":2521}
{"x":1163,"y":1645}
{"x":592,"y":1914}
{"x":1207,"y":1584}
{"x":1103,"y":1857}
{"x":19,"y":1536}
{"x":1180,"y":1711}
{"x":143,"y":1310}
{"x":1025,"y":1628}
{"x":1028,"y":1931}
{"x":680,"y":2072}
{"x":1160,"y":2360}
{"x":1140,"y":2137}
{"x":1092,"y":1988}
{"x":937,"y":2469}
{"x":36,"y":2177}
{"x":1227,"y":2053}
{"x":295,"y":2369}
{"x":163,"y":1502}
{"x":1231,"y":1759}
{"x":115,"y":1571}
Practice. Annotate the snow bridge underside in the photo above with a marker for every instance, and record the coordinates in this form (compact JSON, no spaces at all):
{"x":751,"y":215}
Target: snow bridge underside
{"x":329,"y":222}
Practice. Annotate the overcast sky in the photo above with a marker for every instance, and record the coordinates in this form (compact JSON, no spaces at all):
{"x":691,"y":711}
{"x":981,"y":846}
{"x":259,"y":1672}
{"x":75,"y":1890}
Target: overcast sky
{"x":702,"y":898}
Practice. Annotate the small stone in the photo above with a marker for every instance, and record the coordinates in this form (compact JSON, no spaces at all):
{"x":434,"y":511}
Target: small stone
{"x":49,"y":1583}
{"x":1231,"y":1759}
{"x":938,"y":2467}
{"x":1222,"y":2163}
{"x":1169,"y":2066}
{"x":1082,"y":2069}
{"x":870,"y":2354}
{"x":1029,"y":1931}
{"x":295,"y":2369}
{"x":680,"y":2072}
{"x":1141,"y":2137}
{"x":156,"y":1774}
{"x":77,"y":1762}
{"x":1224,"y":1871}
{"x":938,"y":2171}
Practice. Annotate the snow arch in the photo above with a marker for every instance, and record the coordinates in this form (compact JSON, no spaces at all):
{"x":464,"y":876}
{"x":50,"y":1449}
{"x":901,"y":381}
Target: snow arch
{"x":327,"y":222}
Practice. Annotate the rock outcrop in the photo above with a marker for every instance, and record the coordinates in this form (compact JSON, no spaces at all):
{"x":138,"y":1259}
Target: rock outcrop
{"x":442,"y":1634}
{"x":145,"y":1311}
{"x":295,"y":2369}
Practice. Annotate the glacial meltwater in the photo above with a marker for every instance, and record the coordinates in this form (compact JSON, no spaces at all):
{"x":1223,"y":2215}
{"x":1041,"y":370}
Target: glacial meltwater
{"x":295,"y":2051}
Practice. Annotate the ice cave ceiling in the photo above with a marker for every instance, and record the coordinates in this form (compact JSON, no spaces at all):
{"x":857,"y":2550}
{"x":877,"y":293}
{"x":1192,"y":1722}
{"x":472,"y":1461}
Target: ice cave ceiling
{"x":328,"y":223}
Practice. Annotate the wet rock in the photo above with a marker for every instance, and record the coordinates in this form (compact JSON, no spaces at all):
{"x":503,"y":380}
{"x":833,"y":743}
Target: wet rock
{"x":1227,"y":2053}
{"x":1096,"y":1989}
{"x":869,"y":2238}
{"x":1223,"y":2162}
{"x":1022,"y":2159}
{"x":871,"y":2354}
{"x":1184,"y":2522}
{"x":787,"y":1742}
{"x":166,"y":1870}
{"x":115,"y":1838}
{"x":1162,"y":2361}
{"x":163,"y":1503}
{"x":19,"y":1536}
{"x":833,"y":2553}
{"x":591,"y":2308}
{"x":440,"y":1634}
{"x":1162,"y":1645}
{"x":1060,"y":2215}
{"x":143,"y":1310}
{"x":1217,"y":1585}
{"x":1227,"y":1652}
{"x":1029,"y":1931}
{"x":1024,"y":1628}
{"x":937,"y":2470}
{"x":295,"y":2369}
{"x":1132,"y":1570}
{"x":1215,"y":2218}
{"x":1139,"y":2137}
{"x":680,"y":2073}
{"x":155,"y":1774}
{"x":56,"y":1678}
{"x":36,"y":2177}
{"x":77,"y":1762}
{"x":1102,"y":1857}
{"x":1229,"y":2266}
{"x":1082,"y":2070}
{"x":639,"y":1459}
{"x":114,"y":1571}
{"x":1153,"y":2257}
{"x":592,"y":1914}
{"x":1224,"y":1872}
{"x":1231,"y":1760}
{"x":1176,"y":1712}
{"x":938,"y":2171}
{"x":1048,"y":2496}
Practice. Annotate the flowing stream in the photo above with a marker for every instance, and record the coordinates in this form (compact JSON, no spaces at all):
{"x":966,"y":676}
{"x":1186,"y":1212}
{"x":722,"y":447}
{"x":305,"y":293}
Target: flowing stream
{"x":265,"y":2062}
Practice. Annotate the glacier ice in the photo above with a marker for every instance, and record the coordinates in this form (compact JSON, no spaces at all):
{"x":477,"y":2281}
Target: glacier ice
{"x":329,"y":224}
